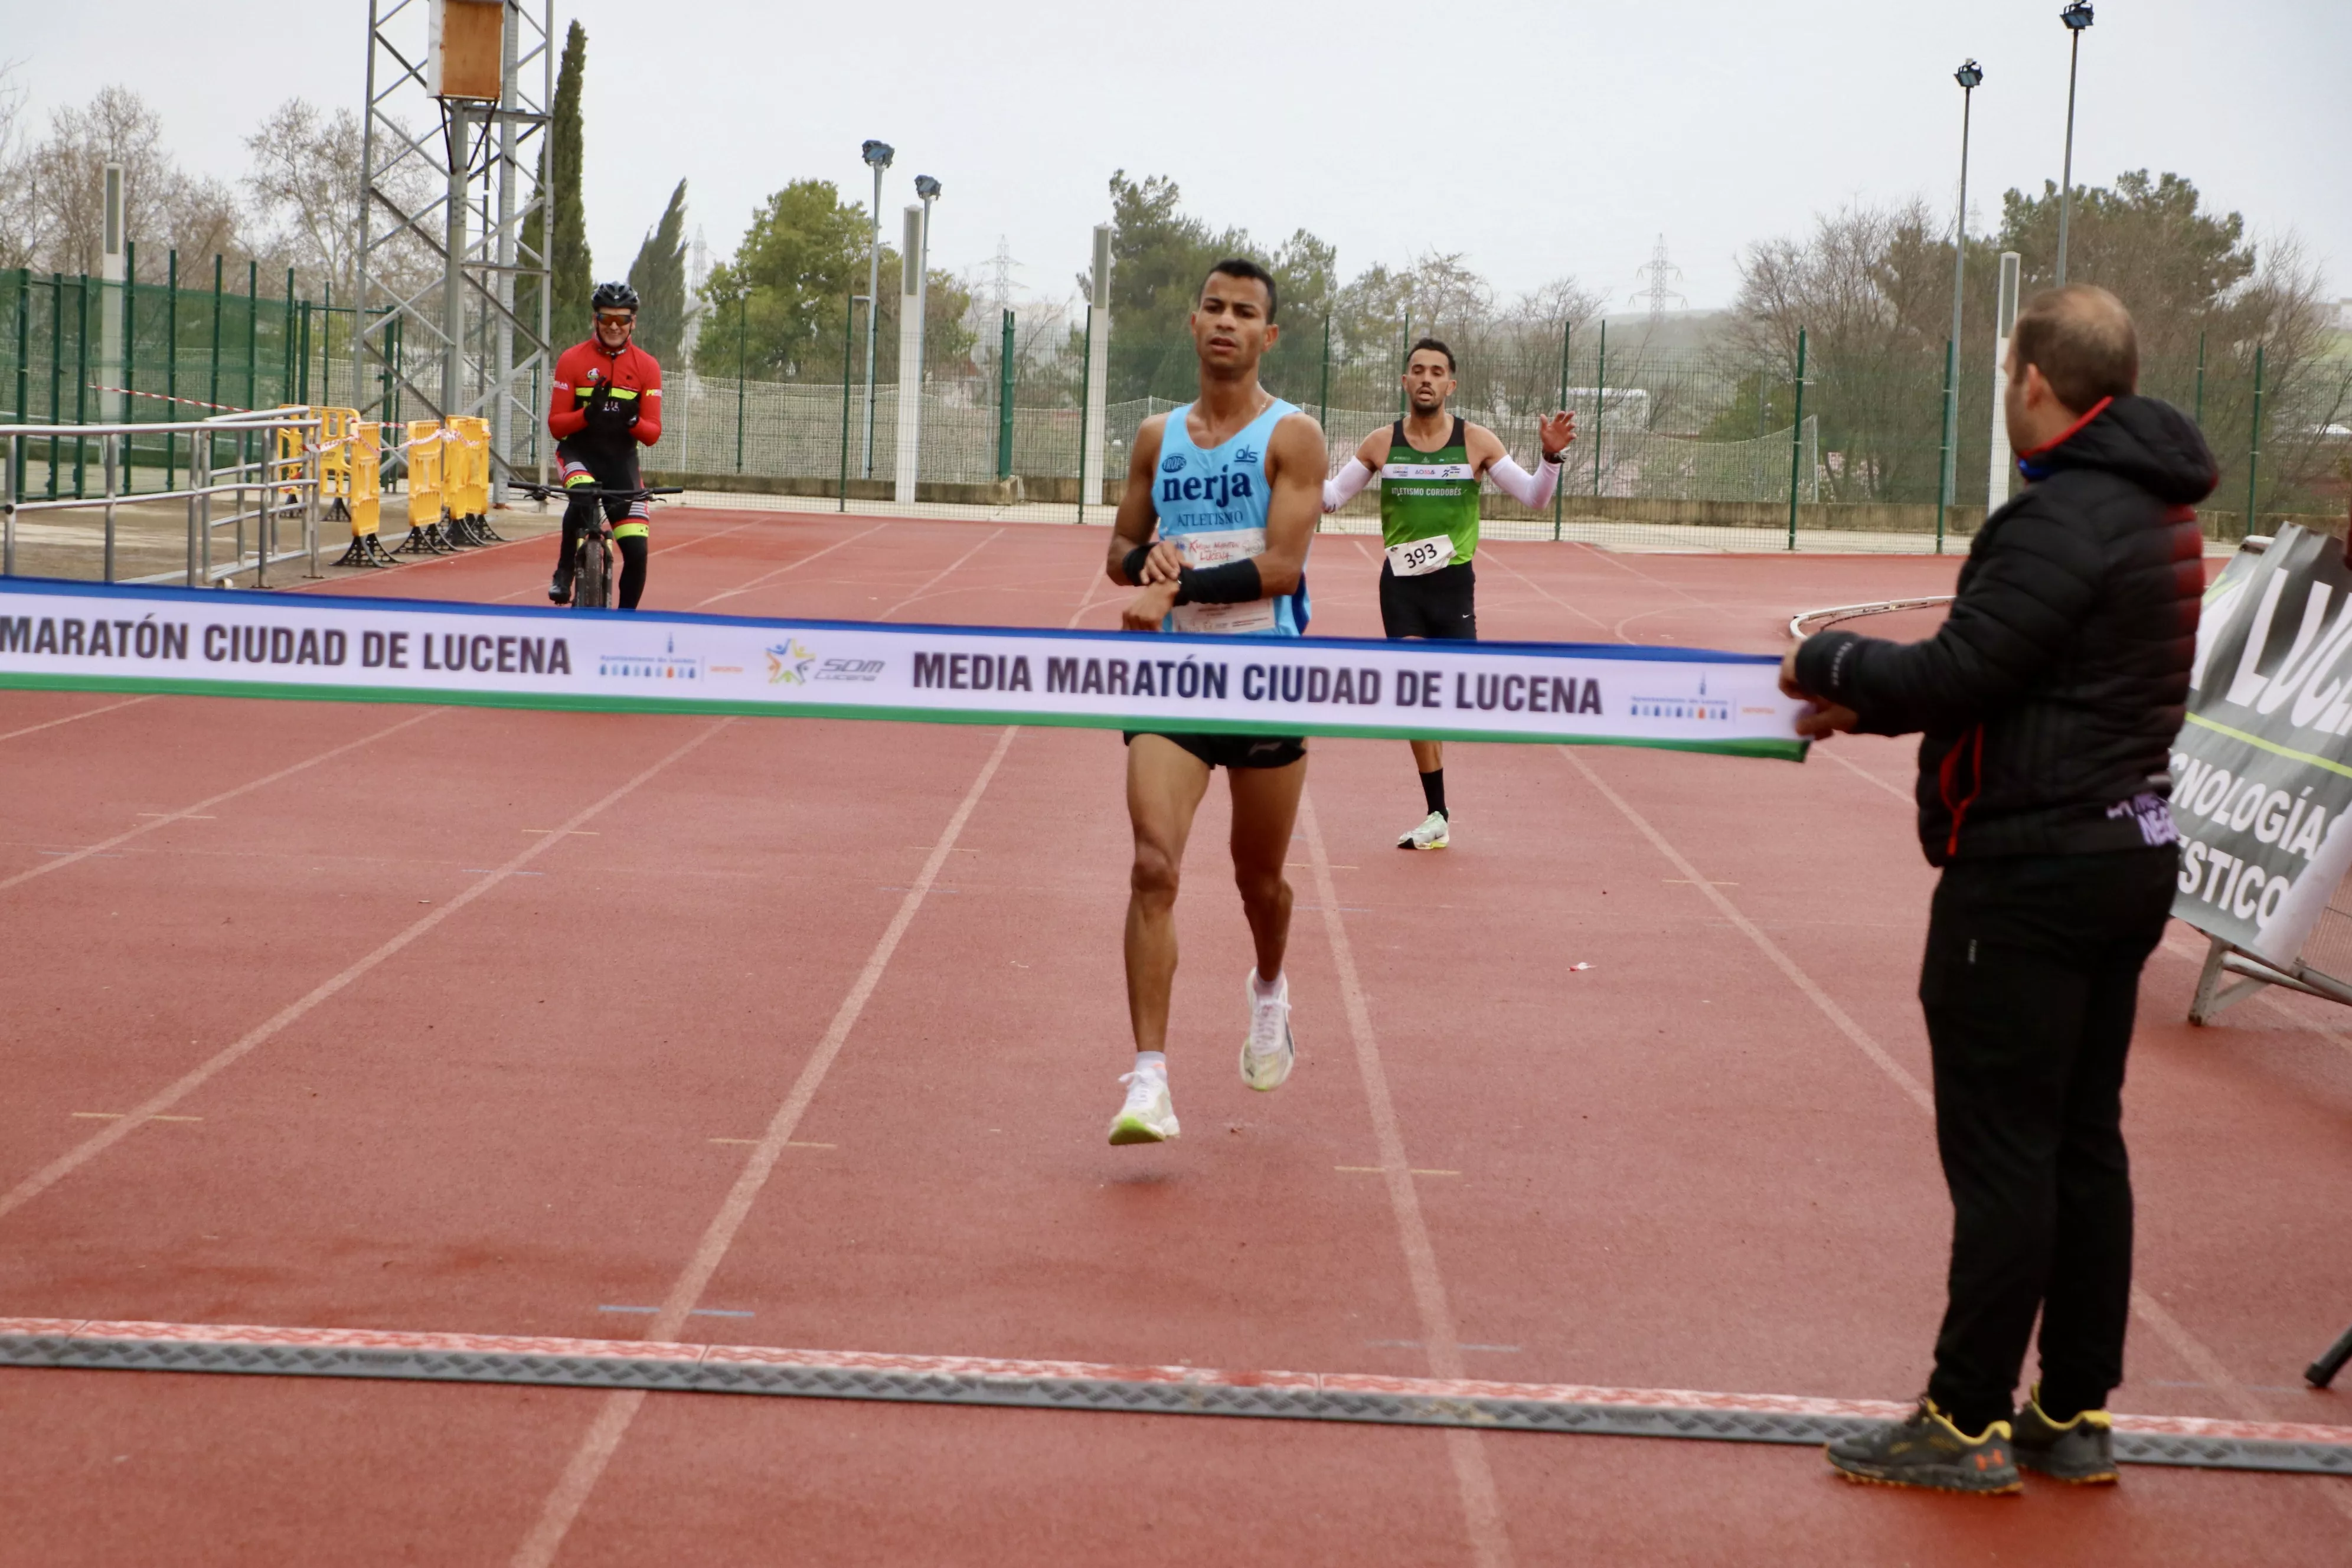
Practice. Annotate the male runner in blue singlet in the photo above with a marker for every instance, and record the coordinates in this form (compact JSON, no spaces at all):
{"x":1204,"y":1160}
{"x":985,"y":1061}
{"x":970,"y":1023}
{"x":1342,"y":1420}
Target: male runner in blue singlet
{"x":1222,"y":500}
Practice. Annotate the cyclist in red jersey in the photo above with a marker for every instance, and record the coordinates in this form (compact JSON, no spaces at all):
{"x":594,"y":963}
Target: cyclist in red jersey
{"x":606,"y":404}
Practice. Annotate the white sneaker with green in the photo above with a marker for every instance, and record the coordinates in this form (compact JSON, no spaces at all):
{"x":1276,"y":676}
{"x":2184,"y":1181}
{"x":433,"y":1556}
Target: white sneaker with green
{"x":1432,"y":833}
{"x":1149,"y":1115}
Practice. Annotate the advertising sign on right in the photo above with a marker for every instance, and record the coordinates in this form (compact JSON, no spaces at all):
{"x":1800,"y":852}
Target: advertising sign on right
{"x":2261,"y":786}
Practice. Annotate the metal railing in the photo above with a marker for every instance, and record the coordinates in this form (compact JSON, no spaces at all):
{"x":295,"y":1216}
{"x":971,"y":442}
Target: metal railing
{"x":269,"y":491}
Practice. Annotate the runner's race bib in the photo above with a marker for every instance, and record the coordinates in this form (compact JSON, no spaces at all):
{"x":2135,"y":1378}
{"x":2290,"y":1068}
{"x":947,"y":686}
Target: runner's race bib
{"x":1198,"y":550}
{"x":1419,"y":557}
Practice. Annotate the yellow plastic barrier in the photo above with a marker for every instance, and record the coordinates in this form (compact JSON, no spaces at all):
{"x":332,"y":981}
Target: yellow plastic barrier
{"x":470,"y":480}
{"x":338,"y":434}
{"x":363,"y":490}
{"x":429,"y":490}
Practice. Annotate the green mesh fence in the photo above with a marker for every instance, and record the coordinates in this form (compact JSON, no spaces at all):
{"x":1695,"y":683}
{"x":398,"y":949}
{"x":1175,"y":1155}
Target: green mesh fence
{"x":1676,"y":448}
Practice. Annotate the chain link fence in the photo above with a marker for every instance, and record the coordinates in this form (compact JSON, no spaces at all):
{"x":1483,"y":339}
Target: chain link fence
{"x":1678,"y":447}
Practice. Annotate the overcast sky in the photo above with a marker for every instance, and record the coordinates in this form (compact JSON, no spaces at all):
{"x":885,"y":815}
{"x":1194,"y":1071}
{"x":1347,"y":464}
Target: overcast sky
{"x":1535,"y":139}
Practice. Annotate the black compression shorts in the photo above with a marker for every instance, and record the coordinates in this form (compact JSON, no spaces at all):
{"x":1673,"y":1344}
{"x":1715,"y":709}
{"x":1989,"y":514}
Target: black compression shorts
{"x":1441,"y":605}
{"x":1236,"y":751}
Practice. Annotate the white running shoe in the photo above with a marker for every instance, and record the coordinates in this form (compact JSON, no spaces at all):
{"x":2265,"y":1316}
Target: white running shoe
{"x":1430,"y":834}
{"x":1149,"y":1115}
{"x":1268,"y":1050}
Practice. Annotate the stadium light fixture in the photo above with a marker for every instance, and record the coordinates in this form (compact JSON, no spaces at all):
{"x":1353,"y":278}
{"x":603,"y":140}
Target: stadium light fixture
{"x":1969,"y":75}
{"x":878,"y":157}
{"x":2077,"y":17}
{"x":926,"y":187}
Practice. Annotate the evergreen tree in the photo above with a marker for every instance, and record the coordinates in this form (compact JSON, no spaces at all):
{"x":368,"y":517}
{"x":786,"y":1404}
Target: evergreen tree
{"x":658,"y":275}
{"x":575,"y":279}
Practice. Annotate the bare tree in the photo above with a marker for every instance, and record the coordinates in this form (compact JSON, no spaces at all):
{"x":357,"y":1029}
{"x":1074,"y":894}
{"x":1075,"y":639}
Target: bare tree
{"x":1864,"y":287}
{"x":196,"y":216}
{"x":304,"y":187}
{"x":19,"y":219}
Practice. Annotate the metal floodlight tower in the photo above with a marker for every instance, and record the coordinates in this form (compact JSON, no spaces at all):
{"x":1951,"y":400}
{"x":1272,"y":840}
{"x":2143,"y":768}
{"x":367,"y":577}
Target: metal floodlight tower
{"x":1969,"y":75}
{"x":878,"y":157}
{"x":2077,"y":17}
{"x":484,"y":70}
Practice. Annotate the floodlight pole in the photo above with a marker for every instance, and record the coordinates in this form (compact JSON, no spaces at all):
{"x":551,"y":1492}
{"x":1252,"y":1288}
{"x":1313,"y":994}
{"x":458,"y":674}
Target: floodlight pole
{"x":1968,"y":76}
{"x":2077,"y":17}
{"x":878,"y":155}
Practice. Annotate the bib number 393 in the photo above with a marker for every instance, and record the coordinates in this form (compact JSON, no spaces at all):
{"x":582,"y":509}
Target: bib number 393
{"x":1420,"y":557}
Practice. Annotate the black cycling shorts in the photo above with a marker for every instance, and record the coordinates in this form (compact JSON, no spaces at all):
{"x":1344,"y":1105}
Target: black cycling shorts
{"x":1441,"y":605}
{"x":1236,"y":751}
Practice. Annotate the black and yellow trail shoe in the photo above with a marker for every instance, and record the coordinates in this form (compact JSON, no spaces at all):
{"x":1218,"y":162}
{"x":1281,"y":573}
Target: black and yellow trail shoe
{"x":1928,"y":1451}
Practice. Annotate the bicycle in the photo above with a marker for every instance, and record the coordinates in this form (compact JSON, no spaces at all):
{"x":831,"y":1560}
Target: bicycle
{"x":592,"y":569}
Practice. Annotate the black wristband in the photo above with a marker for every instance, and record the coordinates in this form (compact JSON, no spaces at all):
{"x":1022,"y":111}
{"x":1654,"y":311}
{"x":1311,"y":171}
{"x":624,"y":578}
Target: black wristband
{"x":1234,"y":582}
{"x":1134,"y":564}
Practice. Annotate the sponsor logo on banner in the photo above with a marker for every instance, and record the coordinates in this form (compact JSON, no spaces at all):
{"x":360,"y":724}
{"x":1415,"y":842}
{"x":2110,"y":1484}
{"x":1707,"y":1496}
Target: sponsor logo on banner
{"x":1702,"y":707}
{"x":789,"y":662}
{"x":850,"y":669}
{"x":665,"y":665}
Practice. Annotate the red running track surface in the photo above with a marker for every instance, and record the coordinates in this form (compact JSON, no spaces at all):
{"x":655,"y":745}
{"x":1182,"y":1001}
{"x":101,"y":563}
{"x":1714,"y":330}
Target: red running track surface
{"x":806,"y":1033}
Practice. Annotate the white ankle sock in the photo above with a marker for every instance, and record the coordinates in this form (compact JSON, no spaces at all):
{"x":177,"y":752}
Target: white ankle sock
{"x":1152,"y":1061}
{"x":1265,"y":992}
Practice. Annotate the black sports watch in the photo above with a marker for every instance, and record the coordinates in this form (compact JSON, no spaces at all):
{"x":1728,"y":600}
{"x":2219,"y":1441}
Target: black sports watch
{"x":1559,"y":456}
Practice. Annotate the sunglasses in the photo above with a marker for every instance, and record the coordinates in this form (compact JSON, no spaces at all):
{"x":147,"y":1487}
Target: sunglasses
{"x":615,"y":318}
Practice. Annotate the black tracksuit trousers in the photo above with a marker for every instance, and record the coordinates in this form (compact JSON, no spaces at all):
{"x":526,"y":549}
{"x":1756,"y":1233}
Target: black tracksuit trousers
{"x":2029,"y":986}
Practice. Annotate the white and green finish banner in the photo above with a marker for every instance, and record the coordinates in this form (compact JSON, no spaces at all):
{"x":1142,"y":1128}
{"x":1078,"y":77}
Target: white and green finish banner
{"x":83,"y":636}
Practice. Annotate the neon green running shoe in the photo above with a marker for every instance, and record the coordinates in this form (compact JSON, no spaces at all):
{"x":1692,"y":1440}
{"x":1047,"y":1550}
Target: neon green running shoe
{"x":1149,"y":1115}
{"x":1435,"y":832}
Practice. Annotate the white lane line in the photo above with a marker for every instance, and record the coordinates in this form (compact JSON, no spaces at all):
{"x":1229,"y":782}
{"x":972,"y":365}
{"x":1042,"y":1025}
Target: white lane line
{"x":1482,"y":1505}
{"x":189,"y":811}
{"x":1764,"y":945}
{"x":2167,"y":1328}
{"x":1861,"y":773}
{"x":766,"y":577}
{"x":1504,"y":562}
{"x":252,"y":1039}
{"x":73,"y":718}
{"x":946,"y":571}
{"x":604,"y":1434}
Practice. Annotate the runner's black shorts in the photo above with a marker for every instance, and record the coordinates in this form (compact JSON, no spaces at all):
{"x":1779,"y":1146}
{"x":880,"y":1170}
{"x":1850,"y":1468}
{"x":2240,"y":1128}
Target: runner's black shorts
{"x":1236,"y":751}
{"x":1441,"y":605}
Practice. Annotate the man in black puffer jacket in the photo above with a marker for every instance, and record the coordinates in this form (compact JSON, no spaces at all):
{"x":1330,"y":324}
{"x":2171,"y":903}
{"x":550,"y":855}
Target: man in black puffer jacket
{"x":2048,"y":704}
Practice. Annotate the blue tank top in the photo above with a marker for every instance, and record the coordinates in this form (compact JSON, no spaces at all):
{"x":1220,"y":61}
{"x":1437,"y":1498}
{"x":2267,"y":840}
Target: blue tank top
{"x":1212,"y":506}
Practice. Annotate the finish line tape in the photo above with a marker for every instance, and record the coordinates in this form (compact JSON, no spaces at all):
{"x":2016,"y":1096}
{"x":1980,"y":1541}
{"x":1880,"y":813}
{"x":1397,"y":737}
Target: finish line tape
{"x":1081,"y":1386}
{"x":87,"y":637}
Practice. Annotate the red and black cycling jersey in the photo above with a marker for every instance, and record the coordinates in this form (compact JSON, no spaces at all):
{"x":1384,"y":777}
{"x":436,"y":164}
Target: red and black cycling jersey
{"x":603,"y":401}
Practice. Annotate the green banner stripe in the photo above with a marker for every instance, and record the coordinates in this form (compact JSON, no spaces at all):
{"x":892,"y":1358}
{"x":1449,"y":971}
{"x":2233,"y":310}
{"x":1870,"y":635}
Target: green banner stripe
{"x":2270,"y":746}
{"x":1783,"y":750}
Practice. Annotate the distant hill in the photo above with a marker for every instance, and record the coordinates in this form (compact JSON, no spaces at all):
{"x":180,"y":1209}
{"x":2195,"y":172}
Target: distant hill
{"x":1674,"y":332}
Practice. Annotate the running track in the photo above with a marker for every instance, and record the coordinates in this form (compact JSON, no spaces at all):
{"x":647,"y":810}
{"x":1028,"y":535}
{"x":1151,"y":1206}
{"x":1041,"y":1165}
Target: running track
{"x":803,"y":1034}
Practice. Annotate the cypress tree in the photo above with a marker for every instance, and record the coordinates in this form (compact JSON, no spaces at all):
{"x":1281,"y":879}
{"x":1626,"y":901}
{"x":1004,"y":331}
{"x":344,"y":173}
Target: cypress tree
{"x":658,"y":275}
{"x":575,"y":279}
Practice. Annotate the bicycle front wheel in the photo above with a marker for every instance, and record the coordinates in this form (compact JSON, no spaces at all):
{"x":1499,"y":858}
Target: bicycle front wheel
{"x":592,"y":586}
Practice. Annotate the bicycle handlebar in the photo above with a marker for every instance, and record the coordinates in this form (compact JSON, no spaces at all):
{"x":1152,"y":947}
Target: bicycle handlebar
{"x":593,"y":492}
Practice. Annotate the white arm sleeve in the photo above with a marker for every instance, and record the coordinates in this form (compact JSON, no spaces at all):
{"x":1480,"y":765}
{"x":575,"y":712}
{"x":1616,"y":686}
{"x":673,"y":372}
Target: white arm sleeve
{"x":1532,"y":491}
{"x":1337,"y":492}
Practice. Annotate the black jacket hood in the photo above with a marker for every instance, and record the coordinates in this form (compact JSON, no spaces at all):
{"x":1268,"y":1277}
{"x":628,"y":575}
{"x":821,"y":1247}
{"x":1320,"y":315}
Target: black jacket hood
{"x":2143,"y":440}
